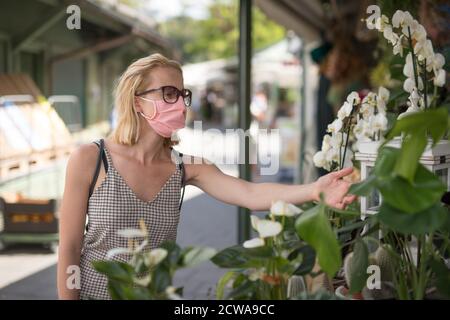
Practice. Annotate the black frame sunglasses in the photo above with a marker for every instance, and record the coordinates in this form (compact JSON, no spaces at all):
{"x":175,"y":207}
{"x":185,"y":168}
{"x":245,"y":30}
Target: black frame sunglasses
{"x":167,"y":91}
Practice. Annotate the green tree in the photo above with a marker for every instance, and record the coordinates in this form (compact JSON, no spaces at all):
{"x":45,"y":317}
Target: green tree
{"x":217,"y":36}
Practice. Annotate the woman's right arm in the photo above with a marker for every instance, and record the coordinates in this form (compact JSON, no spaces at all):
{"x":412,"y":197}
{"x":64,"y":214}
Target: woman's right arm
{"x":72,"y":218}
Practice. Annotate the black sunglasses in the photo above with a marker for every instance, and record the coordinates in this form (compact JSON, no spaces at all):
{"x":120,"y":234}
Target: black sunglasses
{"x":171,"y":94}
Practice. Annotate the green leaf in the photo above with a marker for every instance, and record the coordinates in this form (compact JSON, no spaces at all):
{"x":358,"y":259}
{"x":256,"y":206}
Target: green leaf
{"x":359,"y":264}
{"x":161,"y":279}
{"x":363,"y":188}
{"x":115,"y":270}
{"x":426,"y":190}
{"x":240,"y":257}
{"x":243,"y":290}
{"x":227,"y":277}
{"x":433,"y":120}
{"x":173,"y":252}
{"x":442,"y":274}
{"x":413,"y":146}
{"x":308,"y":260}
{"x":313,"y":226}
{"x":196,"y":255}
{"x":418,"y":223}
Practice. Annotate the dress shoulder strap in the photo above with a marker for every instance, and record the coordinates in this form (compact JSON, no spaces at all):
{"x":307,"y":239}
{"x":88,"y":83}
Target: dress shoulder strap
{"x":101,"y":157}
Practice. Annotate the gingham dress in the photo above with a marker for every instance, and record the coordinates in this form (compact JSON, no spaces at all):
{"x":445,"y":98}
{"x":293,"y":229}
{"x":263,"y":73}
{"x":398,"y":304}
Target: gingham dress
{"x":114,"y":206}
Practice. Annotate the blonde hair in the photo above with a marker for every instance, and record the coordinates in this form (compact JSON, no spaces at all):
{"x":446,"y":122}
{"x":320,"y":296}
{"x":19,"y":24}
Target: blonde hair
{"x":130,"y":82}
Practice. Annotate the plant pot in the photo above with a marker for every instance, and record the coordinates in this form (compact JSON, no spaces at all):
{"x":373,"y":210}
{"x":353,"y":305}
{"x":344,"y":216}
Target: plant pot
{"x":342,"y":293}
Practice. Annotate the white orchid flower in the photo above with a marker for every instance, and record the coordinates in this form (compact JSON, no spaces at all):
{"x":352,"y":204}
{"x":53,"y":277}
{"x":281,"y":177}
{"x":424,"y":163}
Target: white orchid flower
{"x":144,"y":281}
{"x":408,"y":68}
{"x":370,"y":98}
{"x":353,"y":98}
{"x":326,"y":143}
{"x":253,"y":243}
{"x":367,"y":110}
{"x":367,"y":127}
{"x":419,"y":33}
{"x":345,"y":110}
{"x":383,"y":98}
{"x":390,"y":35}
{"x":335,"y":126}
{"x":414,"y":98}
{"x":254,"y":221}
{"x":409,"y":85}
{"x":319,"y":159}
{"x":268,"y":228}
{"x":131,"y":233}
{"x":154,"y":257}
{"x":410,"y":110}
{"x":424,"y":50}
{"x":381,"y":23}
{"x":172,"y":293}
{"x":117,"y":251}
{"x":397,"y":18}
{"x":332,"y":155}
{"x":406,"y":22}
{"x":281,"y":208}
{"x":440,"y":78}
{"x":379,"y":122}
{"x":398,"y":46}
{"x":438,"y":62}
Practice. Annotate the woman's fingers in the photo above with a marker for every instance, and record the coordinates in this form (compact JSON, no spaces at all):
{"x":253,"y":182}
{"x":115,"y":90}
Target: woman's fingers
{"x":343,"y":172}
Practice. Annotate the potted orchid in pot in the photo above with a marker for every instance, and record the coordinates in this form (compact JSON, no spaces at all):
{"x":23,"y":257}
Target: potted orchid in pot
{"x":408,"y":226}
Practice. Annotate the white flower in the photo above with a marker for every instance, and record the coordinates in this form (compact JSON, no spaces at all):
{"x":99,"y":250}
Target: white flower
{"x":381,"y":23}
{"x":336,"y":140}
{"x":326,"y":143}
{"x":424,"y":50}
{"x":409,"y":85}
{"x":154,"y":257}
{"x":408,"y":69}
{"x":116,"y":251}
{"x":319,"y":159}
{"x":379,"y":122}
{"x":268,"y":228}
{"x":254,"y":221}
{"x":144,"y":281}
{"x":131,"y":233}
{"x":370,"y":98}
{"x":367,"y":110}
{"x":410,"y":110}
{"x":345,"y":110}
{"x":438,"y":62}
{"x":335,"y":126}
{"x":397,"y":18}
{"x":353,"y":98}
{"x":398,"y":46}
{"x":383,"y":98}
{"x":281,"y":208}
{"x":253,"y":243}
{"x":439,"y":79}
{"x":389,"y":35}
{"x":414,"y":99}
{"x":332,"y":155}
{"x":172,"y":293}
{"x":419,"y":33}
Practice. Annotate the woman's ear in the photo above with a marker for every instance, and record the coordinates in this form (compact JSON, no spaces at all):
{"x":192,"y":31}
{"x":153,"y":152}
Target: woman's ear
{"x":137,"y":105}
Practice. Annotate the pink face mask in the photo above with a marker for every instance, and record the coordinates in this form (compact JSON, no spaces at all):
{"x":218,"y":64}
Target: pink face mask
{"x":167,"y":118}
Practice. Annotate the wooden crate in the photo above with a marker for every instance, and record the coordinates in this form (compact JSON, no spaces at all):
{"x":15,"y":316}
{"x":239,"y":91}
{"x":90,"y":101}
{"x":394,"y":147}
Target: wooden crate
{"x":29,"y":216}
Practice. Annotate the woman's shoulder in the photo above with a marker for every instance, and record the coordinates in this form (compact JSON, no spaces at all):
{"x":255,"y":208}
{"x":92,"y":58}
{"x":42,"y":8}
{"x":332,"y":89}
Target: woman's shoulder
{"x":82,"y":158}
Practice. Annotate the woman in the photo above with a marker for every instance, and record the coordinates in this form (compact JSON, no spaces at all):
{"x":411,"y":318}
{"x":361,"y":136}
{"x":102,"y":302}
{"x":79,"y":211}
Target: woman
{"x":139,"y":180}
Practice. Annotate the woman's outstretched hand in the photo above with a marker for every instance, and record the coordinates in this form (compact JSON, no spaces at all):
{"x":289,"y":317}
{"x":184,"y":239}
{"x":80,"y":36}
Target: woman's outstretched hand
{"x":334,"y":189}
